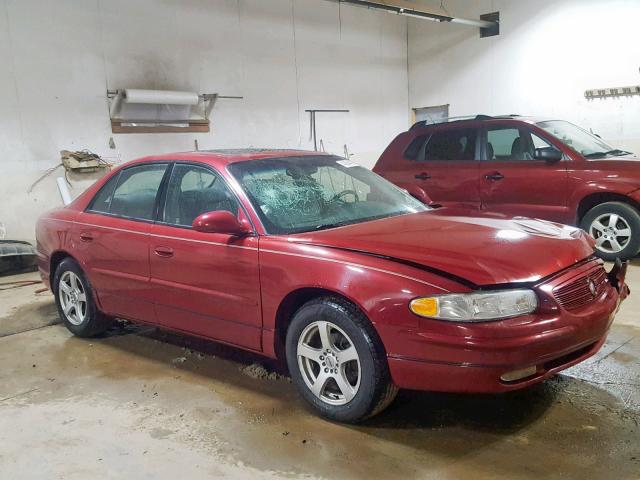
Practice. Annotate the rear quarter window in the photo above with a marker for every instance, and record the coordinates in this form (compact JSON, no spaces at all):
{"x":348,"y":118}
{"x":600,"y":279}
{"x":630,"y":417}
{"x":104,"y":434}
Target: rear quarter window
{"x":444,"y":145}
{"x":131,"y":193}
{"x":102,"y":201}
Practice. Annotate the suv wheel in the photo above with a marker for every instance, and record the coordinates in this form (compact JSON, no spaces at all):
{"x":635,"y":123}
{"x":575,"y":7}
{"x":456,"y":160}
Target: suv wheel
{"x":337,"y":362}
{"x":616,"y":228}
{"x":75,"y":301}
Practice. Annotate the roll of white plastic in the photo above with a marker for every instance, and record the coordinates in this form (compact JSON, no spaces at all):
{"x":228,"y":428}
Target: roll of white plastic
{"x":160,"y":97}
{"x":64,"y":190}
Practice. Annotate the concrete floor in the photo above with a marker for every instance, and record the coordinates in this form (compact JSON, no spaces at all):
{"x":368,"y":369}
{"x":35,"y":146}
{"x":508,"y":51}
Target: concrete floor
{"x":139,"y":403}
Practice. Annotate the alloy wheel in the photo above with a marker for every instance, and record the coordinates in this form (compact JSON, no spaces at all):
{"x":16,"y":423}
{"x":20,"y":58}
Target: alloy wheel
{"x":329,"y":363}
{"x":73,"y":298}
{"x":611,"y":232}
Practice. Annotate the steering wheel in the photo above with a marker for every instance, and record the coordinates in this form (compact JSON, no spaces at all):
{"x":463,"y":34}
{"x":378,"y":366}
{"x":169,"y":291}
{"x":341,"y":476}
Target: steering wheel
{"x":338,"y":196}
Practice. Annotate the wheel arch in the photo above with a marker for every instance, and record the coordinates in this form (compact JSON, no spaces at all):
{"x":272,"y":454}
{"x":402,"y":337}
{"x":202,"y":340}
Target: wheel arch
{"x":56,"y":258}
{"x":290,"y":305}
{"x":597,"y":198}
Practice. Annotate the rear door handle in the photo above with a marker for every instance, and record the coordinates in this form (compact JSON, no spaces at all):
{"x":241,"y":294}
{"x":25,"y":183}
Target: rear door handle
{"x":86,"y":237}
{"x":494,"y":176}
{"x":423,"y":176}
{"x":164,"y":252}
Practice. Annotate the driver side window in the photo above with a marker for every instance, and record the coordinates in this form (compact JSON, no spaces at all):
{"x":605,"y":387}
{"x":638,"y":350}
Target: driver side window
{"x":512,"y":144}
{"x":194,"y":190}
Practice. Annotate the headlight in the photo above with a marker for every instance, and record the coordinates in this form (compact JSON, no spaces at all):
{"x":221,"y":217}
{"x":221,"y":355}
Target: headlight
{"x":476,"y":307}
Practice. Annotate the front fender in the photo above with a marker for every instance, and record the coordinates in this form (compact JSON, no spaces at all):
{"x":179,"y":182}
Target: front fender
{"x":381,"y":288}
{"x":588,"y":189}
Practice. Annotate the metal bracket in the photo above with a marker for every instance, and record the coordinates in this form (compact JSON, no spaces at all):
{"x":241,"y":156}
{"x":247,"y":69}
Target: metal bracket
{"x":312,"y":118}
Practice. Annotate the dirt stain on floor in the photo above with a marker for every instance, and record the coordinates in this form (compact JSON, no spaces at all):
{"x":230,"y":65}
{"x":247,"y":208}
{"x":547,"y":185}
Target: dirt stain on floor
{"x":210,"y":402}
{"x":28,"y":317}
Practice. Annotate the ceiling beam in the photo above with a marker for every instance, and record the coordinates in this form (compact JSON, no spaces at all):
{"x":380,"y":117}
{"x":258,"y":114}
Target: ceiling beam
{"x":410,"y":9}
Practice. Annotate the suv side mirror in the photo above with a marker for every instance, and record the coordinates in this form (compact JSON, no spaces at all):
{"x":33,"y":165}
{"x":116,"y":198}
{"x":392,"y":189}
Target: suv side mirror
{"x":548,"y":154}
{"x":220,"y":221}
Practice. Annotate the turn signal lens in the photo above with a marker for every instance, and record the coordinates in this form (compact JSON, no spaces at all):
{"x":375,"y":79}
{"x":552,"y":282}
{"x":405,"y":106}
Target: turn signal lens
{"x":425,"y":307}
{"x":476,"y":306}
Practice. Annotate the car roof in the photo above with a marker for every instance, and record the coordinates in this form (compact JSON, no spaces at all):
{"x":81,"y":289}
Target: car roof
{"x":224,"y":157}
{"x":461,"y":121}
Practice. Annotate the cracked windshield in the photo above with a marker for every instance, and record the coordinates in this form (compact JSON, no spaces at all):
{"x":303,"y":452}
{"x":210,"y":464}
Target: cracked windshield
{"x":302,"y":194}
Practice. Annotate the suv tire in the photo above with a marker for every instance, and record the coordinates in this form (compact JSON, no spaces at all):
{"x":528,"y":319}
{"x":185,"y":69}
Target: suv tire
{"x":616,"y":229}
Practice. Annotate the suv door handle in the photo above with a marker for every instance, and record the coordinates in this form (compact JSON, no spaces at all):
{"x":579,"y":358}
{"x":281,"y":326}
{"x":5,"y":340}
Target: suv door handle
{"x":86,"y":237}
{"x":423,"y":176}
{"x":164,"y":252}
{"x":494,"y":176}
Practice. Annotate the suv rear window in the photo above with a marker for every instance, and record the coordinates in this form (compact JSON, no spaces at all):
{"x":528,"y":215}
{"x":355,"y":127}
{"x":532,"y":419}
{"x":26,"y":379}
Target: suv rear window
{"x":445,"y":145}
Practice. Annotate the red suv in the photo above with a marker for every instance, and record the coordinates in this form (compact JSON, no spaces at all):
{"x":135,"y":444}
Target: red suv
{"x":517,"y":166}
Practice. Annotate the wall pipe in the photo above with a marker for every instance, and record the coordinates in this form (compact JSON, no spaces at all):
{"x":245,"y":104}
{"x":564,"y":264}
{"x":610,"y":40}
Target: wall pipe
{"x":402,"y":7}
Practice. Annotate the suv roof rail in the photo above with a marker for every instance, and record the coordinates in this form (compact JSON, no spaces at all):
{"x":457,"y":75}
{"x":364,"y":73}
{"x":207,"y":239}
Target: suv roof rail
{"x":423,"y":123}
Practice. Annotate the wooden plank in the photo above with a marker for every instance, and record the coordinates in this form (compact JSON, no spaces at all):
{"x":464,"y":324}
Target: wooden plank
{"x":194,"y":127}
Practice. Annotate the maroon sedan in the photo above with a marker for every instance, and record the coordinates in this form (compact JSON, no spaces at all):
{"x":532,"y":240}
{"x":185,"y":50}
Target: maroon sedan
{"x":311,"y":258}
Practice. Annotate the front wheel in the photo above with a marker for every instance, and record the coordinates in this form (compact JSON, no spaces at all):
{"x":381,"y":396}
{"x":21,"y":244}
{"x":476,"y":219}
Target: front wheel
{"x":75,"y":301}
{"x":337,"y":362}
{"x":615,"y":226}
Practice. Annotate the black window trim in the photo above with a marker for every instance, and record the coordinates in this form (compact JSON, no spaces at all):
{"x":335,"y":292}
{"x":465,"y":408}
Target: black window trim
{"x":124,"y":217}
{"x":479,"y":148}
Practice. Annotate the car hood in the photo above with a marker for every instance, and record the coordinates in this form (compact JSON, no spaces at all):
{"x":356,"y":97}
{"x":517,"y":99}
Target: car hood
{"x":482,"y":250}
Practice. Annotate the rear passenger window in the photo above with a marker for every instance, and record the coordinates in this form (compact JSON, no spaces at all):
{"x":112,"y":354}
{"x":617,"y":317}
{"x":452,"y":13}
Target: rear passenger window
{"x":195,"y":190}
{"x":415,"y":150}
{"x":135,"y":195}
{"x":456,"y":144}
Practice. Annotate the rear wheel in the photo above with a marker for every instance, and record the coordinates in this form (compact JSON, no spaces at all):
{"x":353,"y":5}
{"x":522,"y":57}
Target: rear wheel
{"x":615,"y":226}
{"x":337,"y":361}
{"x":75,"y":301}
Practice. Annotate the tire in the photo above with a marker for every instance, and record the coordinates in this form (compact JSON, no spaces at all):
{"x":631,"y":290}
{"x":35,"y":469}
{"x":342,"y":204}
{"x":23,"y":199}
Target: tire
{"x":351,"y":352}
{"x":73,"y":292}
{"x":616,"y":228}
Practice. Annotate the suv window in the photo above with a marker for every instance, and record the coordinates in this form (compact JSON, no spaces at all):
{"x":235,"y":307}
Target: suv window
{"x":194,"y":190}
{"x":452,"y":144}
{"x":510,"y":143}
{"x":135,"y":195}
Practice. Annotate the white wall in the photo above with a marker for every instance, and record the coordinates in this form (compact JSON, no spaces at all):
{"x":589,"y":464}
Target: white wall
{"x":58,"y":57}
{"x":547,"y":54}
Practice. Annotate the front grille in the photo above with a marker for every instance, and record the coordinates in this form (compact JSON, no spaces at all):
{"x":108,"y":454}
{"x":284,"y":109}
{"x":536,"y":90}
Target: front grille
{"x":577,"y":292}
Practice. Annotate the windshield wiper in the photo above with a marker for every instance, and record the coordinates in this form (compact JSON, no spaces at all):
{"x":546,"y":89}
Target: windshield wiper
{"x":326,"y":226}
{"x":596,"y":155}
{"x":615,"y":151}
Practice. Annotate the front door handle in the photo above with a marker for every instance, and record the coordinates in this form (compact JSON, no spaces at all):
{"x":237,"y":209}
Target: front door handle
{"x":86,"y":237}
{"x":164,"y":252}
{"x":423,"y":176}
{"x":494,"y":176}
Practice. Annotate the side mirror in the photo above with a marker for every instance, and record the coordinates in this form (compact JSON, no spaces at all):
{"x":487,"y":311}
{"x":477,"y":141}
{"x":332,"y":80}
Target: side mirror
{"x":417,"y":193}
{"x":548,"y":154}
{"x":220,"y":221}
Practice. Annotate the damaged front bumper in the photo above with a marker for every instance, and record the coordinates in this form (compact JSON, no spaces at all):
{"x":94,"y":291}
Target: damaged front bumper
{"x":514,"y":353}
